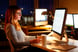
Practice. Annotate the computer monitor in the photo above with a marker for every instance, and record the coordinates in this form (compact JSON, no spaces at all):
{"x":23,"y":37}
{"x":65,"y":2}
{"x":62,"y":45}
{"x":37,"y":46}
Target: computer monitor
{"x":69,"y":20}
{"x":59,"y":29}
{"x":41,"y":17}
{"x":75,"y":20}
{"x":59,"y":21}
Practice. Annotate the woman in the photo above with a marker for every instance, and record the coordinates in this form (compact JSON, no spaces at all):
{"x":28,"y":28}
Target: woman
{"x":13,"y":29}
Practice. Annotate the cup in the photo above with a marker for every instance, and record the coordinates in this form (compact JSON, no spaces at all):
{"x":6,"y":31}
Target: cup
{"x":43,"y":41}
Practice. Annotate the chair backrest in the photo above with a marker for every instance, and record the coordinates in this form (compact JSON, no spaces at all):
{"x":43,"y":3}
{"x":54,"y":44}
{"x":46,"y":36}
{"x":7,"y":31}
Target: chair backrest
{"x":11,"y":46}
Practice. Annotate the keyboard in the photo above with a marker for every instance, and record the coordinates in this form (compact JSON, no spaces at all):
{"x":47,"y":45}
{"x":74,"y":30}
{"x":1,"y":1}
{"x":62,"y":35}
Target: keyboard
{"x":61,"y":45}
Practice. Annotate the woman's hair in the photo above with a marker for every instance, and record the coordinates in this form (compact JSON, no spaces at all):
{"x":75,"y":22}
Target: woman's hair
{"x":9,"y":16}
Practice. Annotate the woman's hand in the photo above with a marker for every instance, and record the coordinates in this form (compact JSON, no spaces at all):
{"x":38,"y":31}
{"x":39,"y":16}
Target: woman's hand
{"x":35,"y":41}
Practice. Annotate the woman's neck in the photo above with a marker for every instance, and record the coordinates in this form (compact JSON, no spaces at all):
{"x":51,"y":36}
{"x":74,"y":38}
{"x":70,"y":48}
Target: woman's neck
{"x":15,"y":21}
{"x":17,"y":25}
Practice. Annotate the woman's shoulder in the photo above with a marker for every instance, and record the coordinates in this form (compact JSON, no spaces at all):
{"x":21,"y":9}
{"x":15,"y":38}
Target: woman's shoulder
{"x":9,"y":25}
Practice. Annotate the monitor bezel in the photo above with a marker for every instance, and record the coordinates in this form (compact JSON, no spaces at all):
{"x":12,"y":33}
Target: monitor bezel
{"x":62,"y":32}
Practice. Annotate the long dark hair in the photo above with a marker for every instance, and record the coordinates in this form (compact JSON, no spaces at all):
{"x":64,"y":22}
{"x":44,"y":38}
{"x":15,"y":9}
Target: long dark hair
{"x":10,"y":14}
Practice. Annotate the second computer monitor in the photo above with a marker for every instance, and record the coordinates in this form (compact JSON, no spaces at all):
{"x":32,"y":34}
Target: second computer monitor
{"x":75,"y":20}
{"x":41,"y":17}
{"x":69,"y":20}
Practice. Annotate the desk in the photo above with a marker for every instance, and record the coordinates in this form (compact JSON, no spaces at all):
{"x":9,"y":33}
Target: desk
{"x":48,"y":47}
{"x":37,"y":29}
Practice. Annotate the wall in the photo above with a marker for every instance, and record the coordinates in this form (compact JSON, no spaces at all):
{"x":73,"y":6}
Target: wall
{"x":71,"y":5}
{"x":12,"y":2}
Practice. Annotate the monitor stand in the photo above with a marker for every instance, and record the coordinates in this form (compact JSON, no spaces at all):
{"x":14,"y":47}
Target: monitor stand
{"x":63,"y":36}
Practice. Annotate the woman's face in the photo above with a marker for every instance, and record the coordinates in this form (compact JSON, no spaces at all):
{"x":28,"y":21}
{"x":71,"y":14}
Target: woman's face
{"x":18,"y":15}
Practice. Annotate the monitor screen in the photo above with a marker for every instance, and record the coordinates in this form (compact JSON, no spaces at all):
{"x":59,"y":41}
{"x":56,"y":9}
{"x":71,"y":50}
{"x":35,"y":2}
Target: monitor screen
{"x":69,"y":20}
{"x":75,"y":20}
{"x":41,"y":17}
{"x":59,"y":21}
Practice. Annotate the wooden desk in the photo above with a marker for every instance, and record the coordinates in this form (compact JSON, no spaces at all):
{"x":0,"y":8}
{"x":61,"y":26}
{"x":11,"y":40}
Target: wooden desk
{"x":49,"y":49}
{"x":37,"y":29}
{"x":46,"y":27}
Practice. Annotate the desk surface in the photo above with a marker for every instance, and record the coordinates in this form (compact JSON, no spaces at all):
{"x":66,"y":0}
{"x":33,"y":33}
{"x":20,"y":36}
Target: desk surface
{"x":49,"y":47}
{"x":46,"y":27}
{"x":37,"y":29}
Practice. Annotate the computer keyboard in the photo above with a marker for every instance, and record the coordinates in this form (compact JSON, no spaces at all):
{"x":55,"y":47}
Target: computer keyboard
{"x":64,"y":47}
{"x":61,"y":45}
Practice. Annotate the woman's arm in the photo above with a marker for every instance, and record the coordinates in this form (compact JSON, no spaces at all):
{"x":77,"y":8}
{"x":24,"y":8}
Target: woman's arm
{"x":14,"y":37}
